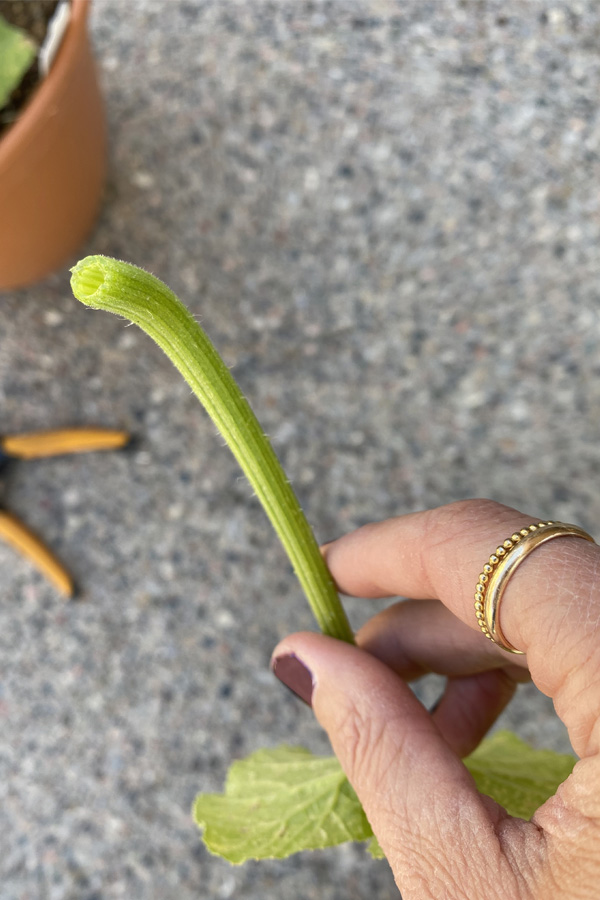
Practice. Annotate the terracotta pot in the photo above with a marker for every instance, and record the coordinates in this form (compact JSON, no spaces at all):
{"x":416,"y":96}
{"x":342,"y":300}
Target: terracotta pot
{"x":53,"y":164}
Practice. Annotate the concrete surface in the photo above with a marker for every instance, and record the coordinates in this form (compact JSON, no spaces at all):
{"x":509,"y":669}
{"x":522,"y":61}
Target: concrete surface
{"x":387,"y":216}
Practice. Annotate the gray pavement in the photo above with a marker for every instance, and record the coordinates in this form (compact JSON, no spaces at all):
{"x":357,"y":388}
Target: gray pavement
{"x":386,"y":215}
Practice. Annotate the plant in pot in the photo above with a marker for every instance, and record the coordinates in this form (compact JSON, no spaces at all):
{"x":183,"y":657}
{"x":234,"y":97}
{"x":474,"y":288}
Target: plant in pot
{"x":52,"y":137}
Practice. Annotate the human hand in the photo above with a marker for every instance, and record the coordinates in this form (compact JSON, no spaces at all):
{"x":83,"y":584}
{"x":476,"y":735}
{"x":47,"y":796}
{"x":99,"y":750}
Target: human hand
{"x":443,"y":839}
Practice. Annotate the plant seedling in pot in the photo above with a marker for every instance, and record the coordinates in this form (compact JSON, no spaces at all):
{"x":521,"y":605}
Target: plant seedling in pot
{"x":16,"y":54}
{"x":52,"y":137}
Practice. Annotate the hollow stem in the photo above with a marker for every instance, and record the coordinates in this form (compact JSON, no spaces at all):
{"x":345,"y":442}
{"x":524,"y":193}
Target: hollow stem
{"x":128,"y":291}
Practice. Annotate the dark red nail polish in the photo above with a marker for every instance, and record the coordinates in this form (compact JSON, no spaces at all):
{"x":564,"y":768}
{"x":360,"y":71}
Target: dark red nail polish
{"x":293,"y":673}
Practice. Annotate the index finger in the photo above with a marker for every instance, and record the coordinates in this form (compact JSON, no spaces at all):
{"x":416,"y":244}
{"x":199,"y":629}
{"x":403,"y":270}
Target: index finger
{"x":439,"y":554}
{"x":424,"y":554}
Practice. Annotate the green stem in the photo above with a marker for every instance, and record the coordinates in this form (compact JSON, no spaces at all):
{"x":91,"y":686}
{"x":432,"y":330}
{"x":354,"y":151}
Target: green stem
{"x":128,"y":291}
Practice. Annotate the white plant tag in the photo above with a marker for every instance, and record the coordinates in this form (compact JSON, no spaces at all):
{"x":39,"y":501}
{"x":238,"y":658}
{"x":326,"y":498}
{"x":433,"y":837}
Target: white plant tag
{"x":56,"y":31}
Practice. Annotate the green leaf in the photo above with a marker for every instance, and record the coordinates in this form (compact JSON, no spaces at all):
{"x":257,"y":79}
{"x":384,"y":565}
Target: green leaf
{"x":280,"y":801}
{"x":516,"y":775}
{"x":374,"y":849}
{"x":16,"y":55}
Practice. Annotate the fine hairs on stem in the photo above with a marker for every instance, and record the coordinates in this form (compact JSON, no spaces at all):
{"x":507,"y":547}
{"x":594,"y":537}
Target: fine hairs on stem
{"x":128,"y":291}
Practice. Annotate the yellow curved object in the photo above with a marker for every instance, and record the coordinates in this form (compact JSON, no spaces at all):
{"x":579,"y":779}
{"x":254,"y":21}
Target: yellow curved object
{"x":38,"y":444}
{"x":22,"y":539}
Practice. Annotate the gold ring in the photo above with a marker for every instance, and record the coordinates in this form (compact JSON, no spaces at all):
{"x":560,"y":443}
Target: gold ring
{"x":502,"y":564}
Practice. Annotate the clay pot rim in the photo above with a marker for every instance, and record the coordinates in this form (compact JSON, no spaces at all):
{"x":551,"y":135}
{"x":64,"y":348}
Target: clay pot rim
{"x":41,"y":106}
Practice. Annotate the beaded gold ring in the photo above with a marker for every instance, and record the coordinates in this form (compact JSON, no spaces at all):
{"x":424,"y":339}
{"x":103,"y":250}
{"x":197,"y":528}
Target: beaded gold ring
{"x":501,"y":565}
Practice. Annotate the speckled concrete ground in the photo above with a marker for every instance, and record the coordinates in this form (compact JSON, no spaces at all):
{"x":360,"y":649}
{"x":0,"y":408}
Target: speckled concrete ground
{"x":387,"y":216}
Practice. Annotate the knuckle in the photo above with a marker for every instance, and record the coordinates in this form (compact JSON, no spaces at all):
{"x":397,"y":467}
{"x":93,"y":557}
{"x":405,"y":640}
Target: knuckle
{"x":443,"y":529}
{"x":362,"y":738}
{"x":353,"y":732}
{"x":445,"y":522}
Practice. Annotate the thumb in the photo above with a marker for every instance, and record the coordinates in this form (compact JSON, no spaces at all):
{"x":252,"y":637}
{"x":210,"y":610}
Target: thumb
{"x":420,"y":800}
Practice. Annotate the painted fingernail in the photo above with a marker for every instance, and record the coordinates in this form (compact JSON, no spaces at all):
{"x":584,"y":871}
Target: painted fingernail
{"x":292,"y":672}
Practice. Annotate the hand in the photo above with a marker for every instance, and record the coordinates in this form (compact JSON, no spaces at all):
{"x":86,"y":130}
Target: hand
{"x":442,"y":838}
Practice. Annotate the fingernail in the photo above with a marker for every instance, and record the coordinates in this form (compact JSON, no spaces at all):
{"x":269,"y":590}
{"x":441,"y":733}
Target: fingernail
{"x":293,"y":673}
{"x":324,"y":544}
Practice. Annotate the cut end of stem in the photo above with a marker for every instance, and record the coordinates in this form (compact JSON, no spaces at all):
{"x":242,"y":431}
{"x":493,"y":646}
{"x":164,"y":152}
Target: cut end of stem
{"x":87,"y":277}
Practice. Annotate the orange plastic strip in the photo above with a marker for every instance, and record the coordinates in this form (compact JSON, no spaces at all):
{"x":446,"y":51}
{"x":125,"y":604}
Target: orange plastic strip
{"x":69,"y":440}
{"x":22,"y":539}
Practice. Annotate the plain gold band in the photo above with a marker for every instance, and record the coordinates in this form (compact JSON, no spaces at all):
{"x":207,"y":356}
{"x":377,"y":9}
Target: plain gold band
{"x":503,"y":563}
